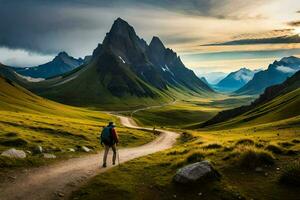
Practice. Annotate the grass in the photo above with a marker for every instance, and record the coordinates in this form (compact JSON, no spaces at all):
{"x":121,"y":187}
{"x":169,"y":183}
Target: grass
{"x":151,"y":177}
{"x":252,"y":157}
{"x":27,"y":120}
{"x":274,"y":149}
{"x":291,"y":175}
{"x":185,"y":113}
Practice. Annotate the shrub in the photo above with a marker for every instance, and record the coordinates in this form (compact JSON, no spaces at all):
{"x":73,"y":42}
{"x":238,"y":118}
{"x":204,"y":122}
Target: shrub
{"x":274,"y":149}
{"x":291,"y":152}
{"x":11,"y":134}
{"x":213,"y":146}
{"x":251,"y":157}
{"x":226,"y":149}
{"x":291,"y":174}
{"x":295,"y":141}
{"x":195,"y":157}
{"x":186,"y":137}
{"x":178,"y":152}
{"x":245,"y":142}
{"x":286,"y":144}
{"x":18,"y":142}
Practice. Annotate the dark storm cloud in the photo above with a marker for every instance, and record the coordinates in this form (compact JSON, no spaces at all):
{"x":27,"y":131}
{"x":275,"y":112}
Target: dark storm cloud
{"x":49,"y":26}
{"x":272,"y":40}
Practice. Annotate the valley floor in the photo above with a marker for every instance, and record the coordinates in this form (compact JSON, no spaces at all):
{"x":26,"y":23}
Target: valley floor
{"x":58,"y":180}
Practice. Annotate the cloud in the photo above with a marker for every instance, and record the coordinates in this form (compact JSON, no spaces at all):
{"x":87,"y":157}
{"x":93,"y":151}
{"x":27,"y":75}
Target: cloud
{"x":294,"y":23}
{"x":285,"y":69}
{"x":272,"y":40}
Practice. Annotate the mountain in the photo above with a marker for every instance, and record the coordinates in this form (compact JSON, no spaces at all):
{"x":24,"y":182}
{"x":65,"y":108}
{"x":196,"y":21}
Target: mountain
{"x":276,"y":73}
{"x":125,"y":70}
{"x":235,"y":80}
{"x":61,"y":64}
{"x":278,"y":102}
{"x":213,"y":77}
{"x":204,"y":80}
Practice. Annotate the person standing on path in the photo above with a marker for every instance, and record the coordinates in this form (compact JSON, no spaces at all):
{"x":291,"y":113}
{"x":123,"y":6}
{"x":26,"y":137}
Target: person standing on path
{"x":110,"y":139}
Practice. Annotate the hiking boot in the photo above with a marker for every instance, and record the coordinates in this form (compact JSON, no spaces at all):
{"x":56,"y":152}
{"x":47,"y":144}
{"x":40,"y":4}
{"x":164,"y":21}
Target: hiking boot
{"x":104,"y":165}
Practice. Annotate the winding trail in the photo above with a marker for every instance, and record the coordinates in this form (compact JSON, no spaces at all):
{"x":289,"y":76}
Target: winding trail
{"x":57,"y":181}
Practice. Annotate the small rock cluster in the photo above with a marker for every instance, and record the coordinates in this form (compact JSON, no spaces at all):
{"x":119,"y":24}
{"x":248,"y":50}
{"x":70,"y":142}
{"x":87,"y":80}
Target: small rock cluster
{"x":37,"y":150}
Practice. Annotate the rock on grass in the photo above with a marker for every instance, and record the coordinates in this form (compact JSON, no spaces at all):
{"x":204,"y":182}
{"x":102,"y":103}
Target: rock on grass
{"x":195,"y":172}
{"x":13,"y":153}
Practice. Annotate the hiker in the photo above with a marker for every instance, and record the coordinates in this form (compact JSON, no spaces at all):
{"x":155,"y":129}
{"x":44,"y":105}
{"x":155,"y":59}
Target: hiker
{"x":109,"y":138}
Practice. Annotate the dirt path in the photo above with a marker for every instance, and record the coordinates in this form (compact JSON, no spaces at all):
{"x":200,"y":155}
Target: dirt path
{"x":57,"y":181}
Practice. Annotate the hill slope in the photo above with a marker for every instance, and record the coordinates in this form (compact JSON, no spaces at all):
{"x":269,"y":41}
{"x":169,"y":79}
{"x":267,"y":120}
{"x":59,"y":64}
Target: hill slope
{"x":276,"y":73}
{"x":61,"y":64}
{"x":27,"y":120}
{"x":124,"y":70}
{"x":278,"y":102}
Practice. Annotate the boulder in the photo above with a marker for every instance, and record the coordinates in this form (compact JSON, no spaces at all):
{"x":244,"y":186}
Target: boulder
{"x":13,"y":153}
{"x":48,"y":155}
{"x":38,"y":149}
{"x":71,"y":150}
{"x":195,"y":172}
{"x":85,"y":149}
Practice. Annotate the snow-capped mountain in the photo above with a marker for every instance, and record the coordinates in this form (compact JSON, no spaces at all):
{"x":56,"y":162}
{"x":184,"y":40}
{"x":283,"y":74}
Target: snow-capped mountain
{"x":235,"y":80}
{"x":276,"y":73}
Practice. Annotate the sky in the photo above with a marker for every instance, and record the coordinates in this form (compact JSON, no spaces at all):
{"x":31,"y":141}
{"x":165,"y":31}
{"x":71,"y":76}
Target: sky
{"x":208,"y":35}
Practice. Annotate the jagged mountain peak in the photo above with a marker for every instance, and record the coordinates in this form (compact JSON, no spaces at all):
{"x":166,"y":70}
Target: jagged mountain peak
{"x":121,"y":27}
{"x":156,"y":43}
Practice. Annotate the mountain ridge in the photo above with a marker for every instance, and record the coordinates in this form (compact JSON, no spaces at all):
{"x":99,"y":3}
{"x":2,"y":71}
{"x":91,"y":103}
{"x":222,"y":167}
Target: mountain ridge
{"x":276,"y":73}
{"x":124,"y":70}
{"x":60,"y":64}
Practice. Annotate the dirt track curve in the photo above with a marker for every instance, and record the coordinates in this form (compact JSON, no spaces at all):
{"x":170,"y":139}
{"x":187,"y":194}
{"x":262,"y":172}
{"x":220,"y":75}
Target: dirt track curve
{"x":57,"y":181}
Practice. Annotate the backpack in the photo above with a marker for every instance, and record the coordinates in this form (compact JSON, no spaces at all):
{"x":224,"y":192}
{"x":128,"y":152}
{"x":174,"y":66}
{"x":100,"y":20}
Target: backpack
{"x":106,"y":136}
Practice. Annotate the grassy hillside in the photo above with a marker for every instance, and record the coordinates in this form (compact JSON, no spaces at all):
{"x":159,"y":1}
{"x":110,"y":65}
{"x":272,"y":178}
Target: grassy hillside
{"x":235,"y":154}
{"x":27,"y":120}
{"x":279,"y":102}
{"x":187,"y":111}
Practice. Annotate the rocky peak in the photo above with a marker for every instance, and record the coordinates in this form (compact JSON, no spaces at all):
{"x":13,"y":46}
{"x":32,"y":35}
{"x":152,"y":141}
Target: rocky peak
{"x":156,"y":44}
{"x":121,"y":28}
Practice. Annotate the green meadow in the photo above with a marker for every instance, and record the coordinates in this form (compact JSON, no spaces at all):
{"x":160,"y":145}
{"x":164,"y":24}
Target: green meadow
{"x":27,"y":121}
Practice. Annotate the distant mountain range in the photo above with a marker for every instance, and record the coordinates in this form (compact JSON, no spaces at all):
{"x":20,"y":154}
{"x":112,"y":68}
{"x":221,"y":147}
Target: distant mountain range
{"x":123,"y":69}
{"x":278,"y":102}
{"x":235,"y":80}
{"x":213,"y":77}
{"x":61,"y":64}
{"x":276,"y":73}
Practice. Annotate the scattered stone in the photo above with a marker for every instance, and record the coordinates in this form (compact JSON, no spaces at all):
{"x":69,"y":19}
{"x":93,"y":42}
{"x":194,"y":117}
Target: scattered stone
{"x":195,"y":172}
{"x":60,"y":194}
{"x":12,"y":177}
{"x":85,"y":149}
{"x":200,"y":194}
{"x":258,"y":169}
{"x":71,"y":150}
{"x":28,"y":152}
{"x":175,"y":196}
{"x":13,"y":153}
{"x":266,"y":174}
{"x":277,"y":168}
{"x":38,"y":149}
{"x":48,"y":155}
